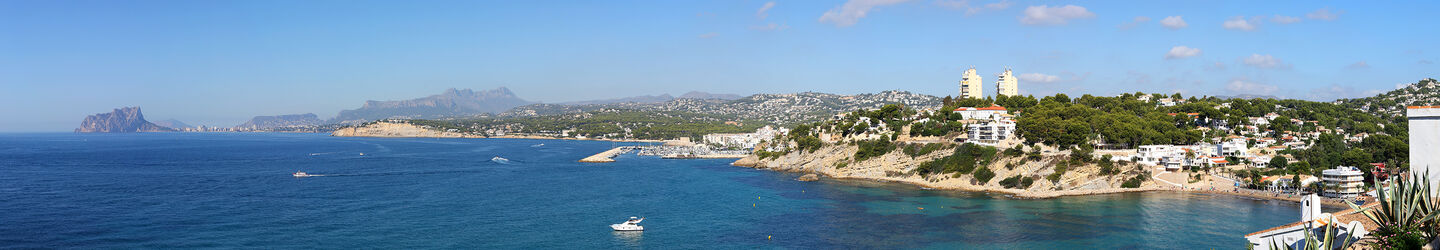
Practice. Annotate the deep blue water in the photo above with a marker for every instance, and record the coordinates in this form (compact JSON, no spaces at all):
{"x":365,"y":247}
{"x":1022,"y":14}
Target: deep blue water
{"x":209,"y":190}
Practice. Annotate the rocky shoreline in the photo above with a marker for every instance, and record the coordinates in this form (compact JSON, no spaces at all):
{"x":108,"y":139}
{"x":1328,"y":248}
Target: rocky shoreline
{"x":822,"y":163}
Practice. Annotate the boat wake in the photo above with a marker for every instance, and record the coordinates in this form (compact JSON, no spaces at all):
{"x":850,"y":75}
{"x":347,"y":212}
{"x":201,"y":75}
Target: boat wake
{"x":407,"y":173}
{"x":500,"y":160}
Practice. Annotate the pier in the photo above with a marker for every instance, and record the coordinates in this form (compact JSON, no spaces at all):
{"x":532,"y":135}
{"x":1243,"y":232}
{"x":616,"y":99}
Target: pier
{"x":608,"y":155}
{"x":668,"y":152}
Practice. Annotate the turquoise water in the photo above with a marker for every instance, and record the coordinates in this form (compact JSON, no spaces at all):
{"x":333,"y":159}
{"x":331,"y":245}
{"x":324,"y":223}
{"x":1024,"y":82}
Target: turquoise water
{"x":186,"y":190}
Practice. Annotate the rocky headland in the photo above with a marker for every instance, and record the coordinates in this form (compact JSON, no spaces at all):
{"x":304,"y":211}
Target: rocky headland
{"x":834,"y":161}
{"x":122,"y":120}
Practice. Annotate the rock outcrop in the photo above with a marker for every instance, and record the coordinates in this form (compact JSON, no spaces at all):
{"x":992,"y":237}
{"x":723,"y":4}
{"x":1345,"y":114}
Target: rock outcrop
{"x":122,"y":120}
{"x":452,"y":103}
{"x":280,"y":121}
{"x":808,"y":177}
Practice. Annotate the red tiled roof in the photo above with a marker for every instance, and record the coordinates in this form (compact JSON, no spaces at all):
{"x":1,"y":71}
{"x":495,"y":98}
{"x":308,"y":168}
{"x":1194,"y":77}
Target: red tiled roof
{"x":993,"y":107}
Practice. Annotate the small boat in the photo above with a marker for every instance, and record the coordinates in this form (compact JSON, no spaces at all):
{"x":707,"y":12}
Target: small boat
{"x":500,"y":160}
{"x":537,"y":145}
{"x":630,"y":225}
{"x":301,"y":174}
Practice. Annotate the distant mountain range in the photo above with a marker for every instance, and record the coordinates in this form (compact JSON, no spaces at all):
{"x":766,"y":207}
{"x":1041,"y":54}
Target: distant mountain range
{"x":122,"y":120}
{"x":657,"y":98}
{"x":280,"y":121}
{"x":172,"y":123}
{"x":452,"y":103}
{"x":771,"y":108}
{"x":1247,"y":96}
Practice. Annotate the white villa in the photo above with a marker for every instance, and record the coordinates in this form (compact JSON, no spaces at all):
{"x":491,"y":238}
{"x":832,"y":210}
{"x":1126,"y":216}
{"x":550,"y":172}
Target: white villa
{"x":987,"y":113}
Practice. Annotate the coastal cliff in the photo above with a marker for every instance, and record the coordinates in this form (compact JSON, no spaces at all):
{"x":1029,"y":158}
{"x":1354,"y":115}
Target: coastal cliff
{"x":122,"y":120}
{"x":389,"y":129}
{"x":834,"y":161}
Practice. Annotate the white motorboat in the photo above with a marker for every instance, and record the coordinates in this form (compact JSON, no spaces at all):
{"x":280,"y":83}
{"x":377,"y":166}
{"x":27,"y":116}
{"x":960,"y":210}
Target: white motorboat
{"x":500,"y":160}
{"x":537,"y":145}
{"x":630,"y":225}
{"x":301,"y":174}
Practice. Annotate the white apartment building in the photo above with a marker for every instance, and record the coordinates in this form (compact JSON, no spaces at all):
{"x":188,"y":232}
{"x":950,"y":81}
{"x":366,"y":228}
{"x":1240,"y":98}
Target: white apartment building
{"x":1005,"y":84}
{"x":1343,"y":182}
{"x":971,"y":85}
{"x":1154,"y":154}
{"x":1232,"y":147}
{"x":991,"y":132}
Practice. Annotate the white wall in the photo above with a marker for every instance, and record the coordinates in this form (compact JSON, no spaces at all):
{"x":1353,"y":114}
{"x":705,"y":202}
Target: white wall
{"x":1425,"y":142}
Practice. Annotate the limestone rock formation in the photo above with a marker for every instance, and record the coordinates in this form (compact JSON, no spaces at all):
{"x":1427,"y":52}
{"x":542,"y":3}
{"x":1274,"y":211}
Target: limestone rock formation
{"x":122,"y":120}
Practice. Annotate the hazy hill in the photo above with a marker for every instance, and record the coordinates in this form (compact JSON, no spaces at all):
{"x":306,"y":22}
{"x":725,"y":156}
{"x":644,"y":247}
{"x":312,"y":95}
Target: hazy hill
{"x":172,"y":123}
{"x":462,"y":102}
{"x":772,"y":108}
{"x":280,"y":121}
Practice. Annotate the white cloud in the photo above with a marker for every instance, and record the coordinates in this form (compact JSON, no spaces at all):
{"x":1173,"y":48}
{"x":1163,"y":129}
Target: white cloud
{"x":1324,"y":14}
{"x":1217,"y":66}
{"x":1358,"y":65}
{"x":1239,"y":23}
{"x":1174,"y":23}
{"x":761,"y":13}
{"x":770,"y":27}
{"x":1178,"y":52}
{"x":1245,"y":86}
{"x":709,"y":35}
{"x":971,"y":10}
{"x":1046,"y":15}
{"x":849,"y":13}
{"x":1038,"y":78}
{"x":1284,"y":19}
{"x":1264,"y":62}
{"x":1138,"y":20}
{"x":1004,"y":4}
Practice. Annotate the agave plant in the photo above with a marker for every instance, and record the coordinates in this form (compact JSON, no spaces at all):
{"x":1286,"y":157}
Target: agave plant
{"x":1330,"y":241}
{"x":1404,"y":204}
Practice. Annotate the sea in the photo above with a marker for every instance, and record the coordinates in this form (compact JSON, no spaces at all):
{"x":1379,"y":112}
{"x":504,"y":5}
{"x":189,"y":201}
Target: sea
{"x":235,"y":190}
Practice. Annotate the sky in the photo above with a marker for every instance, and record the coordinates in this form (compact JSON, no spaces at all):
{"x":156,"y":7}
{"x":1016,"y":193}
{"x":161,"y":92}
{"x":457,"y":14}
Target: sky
{"x":218,"y":63}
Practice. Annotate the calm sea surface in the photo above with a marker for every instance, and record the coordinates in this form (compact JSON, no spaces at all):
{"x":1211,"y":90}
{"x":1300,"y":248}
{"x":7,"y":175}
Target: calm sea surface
{"x":189,"y":190}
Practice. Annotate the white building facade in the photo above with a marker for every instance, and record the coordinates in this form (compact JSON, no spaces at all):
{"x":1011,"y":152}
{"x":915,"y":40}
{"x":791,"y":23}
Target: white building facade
{"x":1424,"y":142}
{"x":971,"y":85}
{"x":1006,"y":84}
{"x":1343,"y":182}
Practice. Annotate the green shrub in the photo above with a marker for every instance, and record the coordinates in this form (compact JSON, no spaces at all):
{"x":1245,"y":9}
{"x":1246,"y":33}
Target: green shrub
{"x":1133,"y":182}
{"x":1017,"y":182}
{"x":1015,"y":151}
{"x":984,"y":175}
{"x":963,"y":161}
{"x":872,"y":148}
{"x":914,"y":150}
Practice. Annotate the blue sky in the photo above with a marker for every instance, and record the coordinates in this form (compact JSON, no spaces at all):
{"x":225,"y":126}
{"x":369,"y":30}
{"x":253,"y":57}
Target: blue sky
{"x":220,"y":62}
